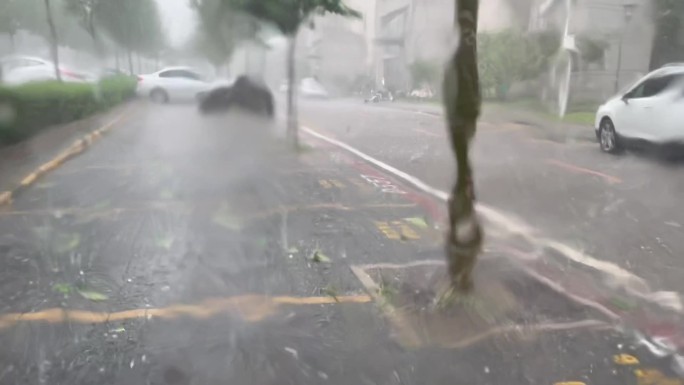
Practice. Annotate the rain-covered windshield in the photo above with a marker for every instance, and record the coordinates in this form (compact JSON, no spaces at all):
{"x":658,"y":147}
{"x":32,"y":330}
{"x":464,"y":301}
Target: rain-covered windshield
{"x":341,"y":191}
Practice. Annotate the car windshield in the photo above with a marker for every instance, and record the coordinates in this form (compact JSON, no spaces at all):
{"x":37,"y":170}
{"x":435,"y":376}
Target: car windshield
{"x":256,"y":192}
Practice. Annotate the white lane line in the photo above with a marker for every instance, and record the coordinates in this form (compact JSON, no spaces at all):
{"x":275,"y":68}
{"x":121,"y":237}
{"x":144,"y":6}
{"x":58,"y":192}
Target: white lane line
{"x":618,"y":277}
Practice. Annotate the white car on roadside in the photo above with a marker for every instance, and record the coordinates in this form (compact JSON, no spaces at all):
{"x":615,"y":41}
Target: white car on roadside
{"x":17,"y":70}
{"x":650,"y":111}
{"x":173,"y":83}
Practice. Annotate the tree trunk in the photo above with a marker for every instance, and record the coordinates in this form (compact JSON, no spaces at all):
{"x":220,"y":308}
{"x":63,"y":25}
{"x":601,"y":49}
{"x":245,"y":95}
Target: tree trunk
{"x":116,"y":58}
{"x":130,"y":61}
{"x":292,"y":124}
{"x":139,"y":64}
{"x":461,"y":95}
{"x":54,"y":42}
{"x":13,"y":43}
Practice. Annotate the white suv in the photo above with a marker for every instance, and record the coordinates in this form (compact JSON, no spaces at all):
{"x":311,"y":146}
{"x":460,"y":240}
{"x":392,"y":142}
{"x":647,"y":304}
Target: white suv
{"x":651,"y":110}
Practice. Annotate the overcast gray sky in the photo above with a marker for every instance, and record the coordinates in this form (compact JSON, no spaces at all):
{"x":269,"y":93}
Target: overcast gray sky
{"x":179,"y":20}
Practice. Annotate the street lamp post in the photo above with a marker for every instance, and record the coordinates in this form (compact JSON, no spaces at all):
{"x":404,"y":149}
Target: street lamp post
{"x":628,"y":9}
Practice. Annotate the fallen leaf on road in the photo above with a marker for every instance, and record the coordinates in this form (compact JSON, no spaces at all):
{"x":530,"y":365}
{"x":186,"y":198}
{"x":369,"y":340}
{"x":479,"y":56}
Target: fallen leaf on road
{"x":418,"y":222}
{"x":225,"y":218}
{"x":293,"y":250}
{"x":93,"y":295}
{"x":120,"y":329}
{"x":318,"y":256}
{"x":165,"y":242}
{"x":67,"y":242}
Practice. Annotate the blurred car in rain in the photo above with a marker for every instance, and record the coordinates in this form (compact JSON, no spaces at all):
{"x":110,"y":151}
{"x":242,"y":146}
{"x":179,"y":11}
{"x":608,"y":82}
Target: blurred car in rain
{"x":173,"y":83}
{"x":650,"y":111}
{"x":17,"y":70}
{"x":247,"y":93}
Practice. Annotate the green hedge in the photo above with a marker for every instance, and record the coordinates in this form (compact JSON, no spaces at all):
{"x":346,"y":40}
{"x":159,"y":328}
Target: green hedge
{"x":27,"y":109}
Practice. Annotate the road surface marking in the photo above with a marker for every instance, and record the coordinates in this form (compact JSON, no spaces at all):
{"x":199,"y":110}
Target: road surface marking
{"x":387,"y":230}
{"x":167,"y":206}
{"x":625,"y":359}
{"x":654,"y":377}
{"x":428,"y":133}
{"x":397,"y":230}
{"x":577,"y":169}
{"x":252,"y":307}
{"x":632,"y":283}
{"x":383,"y":184}
{"x":570,"y":383}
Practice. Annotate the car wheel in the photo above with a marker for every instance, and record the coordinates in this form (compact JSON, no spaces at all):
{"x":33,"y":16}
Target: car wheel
{"x":159,"y":96}
{"x":608,"y":138}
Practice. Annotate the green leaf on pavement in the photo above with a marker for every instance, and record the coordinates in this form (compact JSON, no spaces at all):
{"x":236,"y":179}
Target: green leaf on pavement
{"x":120,"y":329}
{"x":292,"y":250}
{"x":62,"y":288}
{"x":93,"y":295}
{"x":165,"y":242}
{"x":319,"y":257}
{"x":65,"y":243}
{"x":224,"y":217}
{"x":417,"y":222}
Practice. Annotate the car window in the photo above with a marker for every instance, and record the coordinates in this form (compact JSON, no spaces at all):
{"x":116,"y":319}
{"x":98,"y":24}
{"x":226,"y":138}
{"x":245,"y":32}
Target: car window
{"x":185,"y":74}
{"x":653,"y":86}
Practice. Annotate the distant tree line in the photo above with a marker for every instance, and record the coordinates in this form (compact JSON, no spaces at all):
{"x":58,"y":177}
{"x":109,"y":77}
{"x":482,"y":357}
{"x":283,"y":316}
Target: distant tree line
{"x":96,"y":26}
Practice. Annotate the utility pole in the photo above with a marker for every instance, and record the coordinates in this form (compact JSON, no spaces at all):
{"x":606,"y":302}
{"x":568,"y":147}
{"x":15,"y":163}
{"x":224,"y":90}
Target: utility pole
{"x":628,"y":9}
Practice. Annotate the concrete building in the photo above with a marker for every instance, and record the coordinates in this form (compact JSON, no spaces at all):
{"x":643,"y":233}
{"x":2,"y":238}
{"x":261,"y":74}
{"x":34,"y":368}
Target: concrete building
{"x":624,"y":25}
{"x":423,"y":30}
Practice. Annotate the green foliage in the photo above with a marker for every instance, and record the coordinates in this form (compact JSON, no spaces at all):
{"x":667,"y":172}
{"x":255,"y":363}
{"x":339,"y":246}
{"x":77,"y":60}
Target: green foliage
{"x":289,"y":15}
{"x":9,"y":17}
{"x":38,"y":105}
{"x":220,"y":31}
{"x":510,"y":56}
{"x":668,"y":44}
{"x":424,"y":72}
{"x":592,"y":49}
{"x":133,"y":24}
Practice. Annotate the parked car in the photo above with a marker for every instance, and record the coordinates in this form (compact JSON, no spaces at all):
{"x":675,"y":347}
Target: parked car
{"x":650,"y":111}
{"x":173,"y":83}
{"x":18,"y":70}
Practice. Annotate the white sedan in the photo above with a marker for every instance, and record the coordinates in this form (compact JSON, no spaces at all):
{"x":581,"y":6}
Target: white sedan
{"x":17,"y":70}
{"x":173,"y":83}
{"x":651,"y":110}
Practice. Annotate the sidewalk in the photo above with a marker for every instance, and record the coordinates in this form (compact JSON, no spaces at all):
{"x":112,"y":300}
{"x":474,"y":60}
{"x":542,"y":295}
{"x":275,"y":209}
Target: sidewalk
{"x":18,"y":160}
{"x":307,"y":270}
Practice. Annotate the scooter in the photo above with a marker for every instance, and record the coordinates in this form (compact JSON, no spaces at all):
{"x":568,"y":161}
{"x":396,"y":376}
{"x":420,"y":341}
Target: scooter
{"x":379,"y":96}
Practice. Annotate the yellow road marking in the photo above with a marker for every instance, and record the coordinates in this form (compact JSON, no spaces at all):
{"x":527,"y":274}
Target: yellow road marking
{"x":337,"y":183}
{"x":654,"y":377}
{"x":166,"y":205}
{"x":330,"y":183}
{"x":397,"y":230}
{"x":386,"y":229}
{"x":570,"y":383}
{"x":251,"y":307}
{"x":406,"y":230}
{"x":625,"y":359}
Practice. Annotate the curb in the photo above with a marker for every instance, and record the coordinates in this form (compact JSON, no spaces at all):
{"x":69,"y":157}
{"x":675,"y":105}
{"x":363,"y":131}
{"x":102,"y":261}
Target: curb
{"x":76,"y":148}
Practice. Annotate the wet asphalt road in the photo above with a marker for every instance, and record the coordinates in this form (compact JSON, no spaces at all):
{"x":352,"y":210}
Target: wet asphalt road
{"x":189,"y":250}
{"x":623,"y":209}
